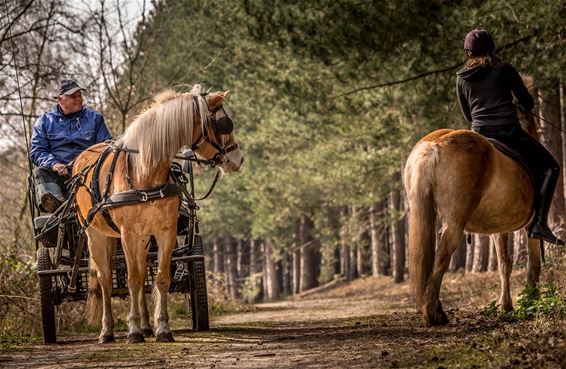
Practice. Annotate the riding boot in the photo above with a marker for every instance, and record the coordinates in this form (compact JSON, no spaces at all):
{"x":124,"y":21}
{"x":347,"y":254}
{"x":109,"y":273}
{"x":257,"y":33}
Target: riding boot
{"x":539,"y":228}
{"x":49,"y":196}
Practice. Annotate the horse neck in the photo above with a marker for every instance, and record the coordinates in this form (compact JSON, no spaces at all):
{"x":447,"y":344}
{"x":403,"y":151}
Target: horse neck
{"x":159,"y":134}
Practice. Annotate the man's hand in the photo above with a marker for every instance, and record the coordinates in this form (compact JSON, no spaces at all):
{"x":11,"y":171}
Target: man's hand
{"x":60,"y":169}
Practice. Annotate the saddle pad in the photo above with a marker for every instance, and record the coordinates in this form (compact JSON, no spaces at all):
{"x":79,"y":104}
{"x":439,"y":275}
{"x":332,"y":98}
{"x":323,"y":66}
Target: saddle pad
{"x":513,"y":154}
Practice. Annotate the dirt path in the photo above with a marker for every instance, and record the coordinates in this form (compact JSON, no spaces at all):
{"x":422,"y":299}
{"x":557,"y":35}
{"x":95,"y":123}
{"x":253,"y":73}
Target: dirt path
{"x":366,"y":324}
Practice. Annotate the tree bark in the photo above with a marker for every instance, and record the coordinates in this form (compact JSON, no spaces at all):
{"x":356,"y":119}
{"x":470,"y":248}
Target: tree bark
{"x":563,"y":134}
{"x":458,"y":260}
{"x":243,"y":259}
{"x":344,"y":245}
{"x":492,"y":261}
{"x":520,"y":249}
{"x":550,"y":107}
{"x":398,"y":231}
{"x":231,"y":267}
{"x":218,"y":252}
{"x":481,"y":253}
{"x":255,"y":268}
{"x":287,"y":284}
{"x":379,"y":247}
{"x":470,"y":254}
{"x":310,"y":257}
{"x":272,"y":277}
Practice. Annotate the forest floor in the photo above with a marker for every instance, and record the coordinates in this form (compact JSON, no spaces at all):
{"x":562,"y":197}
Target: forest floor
{"x":369,"y":323}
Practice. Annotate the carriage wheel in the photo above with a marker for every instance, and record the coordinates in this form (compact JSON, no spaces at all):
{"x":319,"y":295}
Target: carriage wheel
{"x":198,"y":294}
{"x":46,"y":296}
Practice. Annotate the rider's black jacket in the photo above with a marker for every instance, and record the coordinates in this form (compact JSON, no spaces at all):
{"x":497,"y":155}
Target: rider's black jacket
{"x":485,"y":94}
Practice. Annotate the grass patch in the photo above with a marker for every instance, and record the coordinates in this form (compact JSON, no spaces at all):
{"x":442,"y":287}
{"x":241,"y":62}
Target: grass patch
{"x":533,"y":303}
{"x":11,"y":340}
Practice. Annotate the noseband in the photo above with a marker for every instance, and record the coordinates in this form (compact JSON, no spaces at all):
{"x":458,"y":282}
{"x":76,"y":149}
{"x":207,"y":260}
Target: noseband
{"x":205,"y":136}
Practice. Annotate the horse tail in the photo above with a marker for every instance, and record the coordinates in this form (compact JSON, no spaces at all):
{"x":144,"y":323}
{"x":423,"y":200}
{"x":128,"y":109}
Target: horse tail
{"x":94,"y":299}
{"x":419,"y":179}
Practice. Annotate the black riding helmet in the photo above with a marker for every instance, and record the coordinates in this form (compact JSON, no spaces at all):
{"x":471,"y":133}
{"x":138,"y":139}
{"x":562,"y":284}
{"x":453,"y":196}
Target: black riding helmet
{"x":479,"y":42}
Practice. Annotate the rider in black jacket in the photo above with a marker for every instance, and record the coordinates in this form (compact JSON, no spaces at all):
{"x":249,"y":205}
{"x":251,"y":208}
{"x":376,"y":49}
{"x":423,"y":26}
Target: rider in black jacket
{"x":485,"y":88}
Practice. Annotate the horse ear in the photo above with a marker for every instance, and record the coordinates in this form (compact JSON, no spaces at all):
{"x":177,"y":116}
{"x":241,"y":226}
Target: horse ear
{"x":216,"y":99}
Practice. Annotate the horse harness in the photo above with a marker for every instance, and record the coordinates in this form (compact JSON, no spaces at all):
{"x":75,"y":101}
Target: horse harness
{"x":101,"y":201}
{"x":223,"y":125}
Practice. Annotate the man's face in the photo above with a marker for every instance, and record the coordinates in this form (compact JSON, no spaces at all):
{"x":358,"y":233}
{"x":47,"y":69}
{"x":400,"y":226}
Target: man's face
{"x":71,"y":103}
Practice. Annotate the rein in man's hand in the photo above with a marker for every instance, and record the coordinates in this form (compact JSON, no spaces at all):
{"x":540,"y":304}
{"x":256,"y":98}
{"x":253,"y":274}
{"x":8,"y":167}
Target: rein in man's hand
{"x":60,"y":169}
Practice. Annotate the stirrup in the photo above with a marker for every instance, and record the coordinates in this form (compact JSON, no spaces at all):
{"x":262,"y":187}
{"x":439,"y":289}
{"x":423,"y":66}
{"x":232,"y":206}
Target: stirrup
{"x":542,"y":232}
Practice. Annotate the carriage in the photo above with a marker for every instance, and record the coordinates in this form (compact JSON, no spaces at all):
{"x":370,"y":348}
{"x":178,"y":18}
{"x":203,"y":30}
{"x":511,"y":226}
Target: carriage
{"x":62,"y":259}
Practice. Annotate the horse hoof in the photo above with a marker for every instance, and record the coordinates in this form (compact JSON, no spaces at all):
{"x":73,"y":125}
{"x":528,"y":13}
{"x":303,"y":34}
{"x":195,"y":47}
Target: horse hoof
{"x":437,"y":321}
{"x":135,"y":338}
{"x":106,"y":339}
{"x":148,"y":332}
{"x":164,"y":337}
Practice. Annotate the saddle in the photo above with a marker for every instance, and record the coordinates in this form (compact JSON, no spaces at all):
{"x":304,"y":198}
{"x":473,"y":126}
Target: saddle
{"x":515,"y":155}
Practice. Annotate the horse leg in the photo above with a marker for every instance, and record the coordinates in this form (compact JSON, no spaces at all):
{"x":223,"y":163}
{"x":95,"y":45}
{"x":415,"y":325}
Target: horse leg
{"x":101,"y":250}
{"x":166,"y":243}
{"x":136,"y":253}
{"x":433,"y":313}
{"x":534,"y":263}
{"x":505,"y":265}
{"x":144,"y":322}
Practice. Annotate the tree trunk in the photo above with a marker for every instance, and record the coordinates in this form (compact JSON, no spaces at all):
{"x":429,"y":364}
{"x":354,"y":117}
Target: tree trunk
{"x":296,"y":260}
{"x":218,"y":252}
{"x":243,"y":259}
{"x":353,"y":257}
{"x":398,"y":231}
{"x":458,"y":260}
{"x":563,"y":135}
{"x":492,"y":261}
{"x":481,"y":253}
{"x":470,"y":254}
{"x":550,"y":107}
{"x":310,"y":258}
{"x":287,"y":285}
{"x":231,"y":267}
{"x":379,"y":250}
{"x":344,"y":245}
{"x":520,"y":249}
{"x":255,"y":269}
{"x":273,"y":280}
{"x":264,"y":273}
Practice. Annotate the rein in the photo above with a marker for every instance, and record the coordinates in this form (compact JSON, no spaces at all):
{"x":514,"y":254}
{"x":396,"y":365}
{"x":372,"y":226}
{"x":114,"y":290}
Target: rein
{"x":548,"y":122}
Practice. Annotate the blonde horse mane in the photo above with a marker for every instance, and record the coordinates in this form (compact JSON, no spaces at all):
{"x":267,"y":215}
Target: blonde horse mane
{"x":162,"y":129}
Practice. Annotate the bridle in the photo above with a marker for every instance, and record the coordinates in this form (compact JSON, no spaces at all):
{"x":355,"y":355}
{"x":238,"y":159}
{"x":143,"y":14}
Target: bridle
{"x":218,"y":127}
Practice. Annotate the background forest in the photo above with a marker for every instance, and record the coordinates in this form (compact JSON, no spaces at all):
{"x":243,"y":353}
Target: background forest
{"x":328,"y":98}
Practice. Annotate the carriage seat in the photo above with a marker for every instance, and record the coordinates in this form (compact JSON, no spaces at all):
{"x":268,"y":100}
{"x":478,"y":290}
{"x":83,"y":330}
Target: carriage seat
{"x":513,"y":154}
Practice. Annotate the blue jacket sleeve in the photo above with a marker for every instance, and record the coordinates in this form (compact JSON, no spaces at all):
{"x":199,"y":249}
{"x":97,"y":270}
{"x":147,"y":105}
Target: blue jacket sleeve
{"x":102,"y":133}
{"x":39,"y":152}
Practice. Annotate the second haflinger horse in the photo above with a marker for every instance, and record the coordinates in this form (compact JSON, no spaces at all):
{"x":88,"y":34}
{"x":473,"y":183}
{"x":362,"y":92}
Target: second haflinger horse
{"x":137,"y":161}
{"x":458,"y":178}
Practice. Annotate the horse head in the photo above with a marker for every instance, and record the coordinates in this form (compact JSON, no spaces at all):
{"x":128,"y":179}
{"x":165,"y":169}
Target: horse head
{"x":217,"y":141}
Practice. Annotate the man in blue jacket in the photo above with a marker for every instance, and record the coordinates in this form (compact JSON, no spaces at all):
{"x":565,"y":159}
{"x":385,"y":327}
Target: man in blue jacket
{"x":59,"y":136}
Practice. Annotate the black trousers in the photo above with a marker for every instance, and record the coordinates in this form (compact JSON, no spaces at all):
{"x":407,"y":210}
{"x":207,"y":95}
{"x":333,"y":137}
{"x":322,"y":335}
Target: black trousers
{"x":537,"y":157}
{"x":45,"y":177}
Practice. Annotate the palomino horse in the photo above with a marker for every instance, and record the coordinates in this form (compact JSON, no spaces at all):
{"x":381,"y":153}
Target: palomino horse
{"x":174,"y":120}
{"x":458,"y":177}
